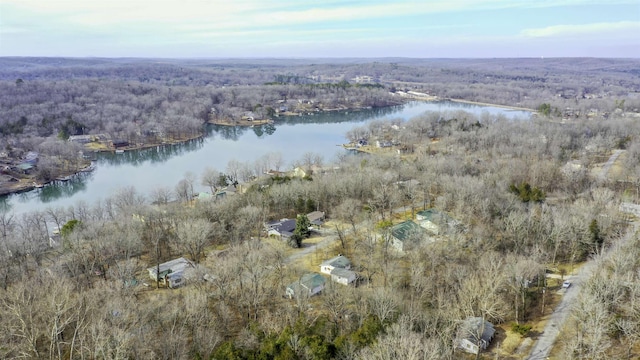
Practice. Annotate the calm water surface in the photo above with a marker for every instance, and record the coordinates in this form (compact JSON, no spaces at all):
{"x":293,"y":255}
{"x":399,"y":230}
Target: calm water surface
{"x":165,"y":166}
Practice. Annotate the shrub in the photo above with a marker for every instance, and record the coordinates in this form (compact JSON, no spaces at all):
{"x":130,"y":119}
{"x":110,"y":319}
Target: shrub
{"x":521,"y":329}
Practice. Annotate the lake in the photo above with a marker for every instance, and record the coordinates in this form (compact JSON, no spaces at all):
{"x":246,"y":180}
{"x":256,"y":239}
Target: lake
{"x":166,"y":165}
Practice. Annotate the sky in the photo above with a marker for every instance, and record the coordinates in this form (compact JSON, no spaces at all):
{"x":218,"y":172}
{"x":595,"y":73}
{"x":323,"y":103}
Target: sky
{"x":325,"y":28}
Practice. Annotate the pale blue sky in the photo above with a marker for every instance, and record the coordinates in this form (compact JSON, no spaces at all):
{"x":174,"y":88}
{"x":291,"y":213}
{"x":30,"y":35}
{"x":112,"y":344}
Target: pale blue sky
{"x":309,"y":28}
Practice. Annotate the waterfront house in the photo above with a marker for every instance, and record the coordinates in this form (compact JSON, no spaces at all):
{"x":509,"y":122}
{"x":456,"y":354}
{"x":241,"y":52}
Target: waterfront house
{"x":25,"y":168}
{"x":383,"y":143}
{"x":31,"y":158}
{"x":171,"y":273}
{"x":120,"y":143}
{"x":475,"y":334}
{"x":80,"y":139}
{"x":309,"y":285}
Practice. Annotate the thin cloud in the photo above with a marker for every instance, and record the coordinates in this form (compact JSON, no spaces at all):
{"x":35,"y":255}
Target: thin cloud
{"x":220,"y":14}
{"x":583,"y":29}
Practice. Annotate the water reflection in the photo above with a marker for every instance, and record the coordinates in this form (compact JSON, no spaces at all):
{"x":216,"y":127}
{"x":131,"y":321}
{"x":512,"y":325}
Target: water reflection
{"x":158,"y":154}
{"x":50,"y":192}
{"x":59,"y":189}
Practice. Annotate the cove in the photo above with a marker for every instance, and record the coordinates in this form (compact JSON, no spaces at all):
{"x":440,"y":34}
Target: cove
{"x":166,"y":165}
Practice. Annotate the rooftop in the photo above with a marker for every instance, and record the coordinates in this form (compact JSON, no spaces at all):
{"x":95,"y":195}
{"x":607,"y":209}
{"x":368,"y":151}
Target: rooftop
{"x":434,"y":215}
{"x":309,"y":281}
{"x":405,"y":230}
{"x":339,"y":261}
{"x":316,"y":217}
{"x":174,"y":266}
{"x":471,"y":328}
{"x":344,"y":273}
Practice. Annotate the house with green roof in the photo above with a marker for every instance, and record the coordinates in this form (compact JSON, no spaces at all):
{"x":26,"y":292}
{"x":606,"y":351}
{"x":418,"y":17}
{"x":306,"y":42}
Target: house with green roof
{"x":308,"y":285}
{"x":436,"y":222}
{"x":406,"y":235}
{"x":338,"y":262}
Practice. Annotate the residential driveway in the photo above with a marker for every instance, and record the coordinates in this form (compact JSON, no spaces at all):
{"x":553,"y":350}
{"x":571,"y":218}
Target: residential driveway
{"x":329,"y":239}
{"x":609,"y":163}
{"x":557,"y":319}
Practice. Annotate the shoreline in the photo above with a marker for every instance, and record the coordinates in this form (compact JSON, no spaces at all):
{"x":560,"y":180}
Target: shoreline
{"x":492,"y":105}
{"x":243,"y":123}
{"x":30,"y":184}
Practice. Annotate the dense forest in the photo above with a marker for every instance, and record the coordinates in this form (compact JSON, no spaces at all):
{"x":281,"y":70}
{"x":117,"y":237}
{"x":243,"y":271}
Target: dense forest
{"x":528,"y":197}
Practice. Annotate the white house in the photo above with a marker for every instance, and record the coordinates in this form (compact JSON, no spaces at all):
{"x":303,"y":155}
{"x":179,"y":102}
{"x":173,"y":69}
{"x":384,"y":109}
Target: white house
{"x":475,"y":334}
{"x":436,"y":221}
{"x":343,"y":276}
{"x":338,"y":262}
{"x":171,"y":272}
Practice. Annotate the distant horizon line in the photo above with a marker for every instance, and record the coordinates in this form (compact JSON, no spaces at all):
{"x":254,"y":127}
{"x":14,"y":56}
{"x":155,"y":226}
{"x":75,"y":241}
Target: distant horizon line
{"x":308,"y":58}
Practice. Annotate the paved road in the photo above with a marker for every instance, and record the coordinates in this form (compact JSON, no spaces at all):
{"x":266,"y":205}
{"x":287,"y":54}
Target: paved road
{"x":557,"y":319}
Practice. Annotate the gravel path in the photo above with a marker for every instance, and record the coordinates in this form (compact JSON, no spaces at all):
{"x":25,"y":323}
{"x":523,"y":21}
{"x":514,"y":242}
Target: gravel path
{"x":609,"y":163}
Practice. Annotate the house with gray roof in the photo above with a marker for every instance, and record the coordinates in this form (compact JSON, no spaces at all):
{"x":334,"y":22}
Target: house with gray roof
{"x":343,"y":276}
{"x":282,"y":228}
{"x":475,"y":334}
{"x":171,"y":273}
{"x":316,"y":218}
{"x":308,"y":285}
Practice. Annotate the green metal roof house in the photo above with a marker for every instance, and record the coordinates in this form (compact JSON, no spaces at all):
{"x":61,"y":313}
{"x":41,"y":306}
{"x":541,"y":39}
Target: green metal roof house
{"x":309,"y":284}
{"x":435,"y":221}
{"x":338,"y":262}
{"x":406,"y":235}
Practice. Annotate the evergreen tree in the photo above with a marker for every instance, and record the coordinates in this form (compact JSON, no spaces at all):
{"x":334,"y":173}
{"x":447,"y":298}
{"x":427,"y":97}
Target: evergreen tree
{"x":302,"y":226}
